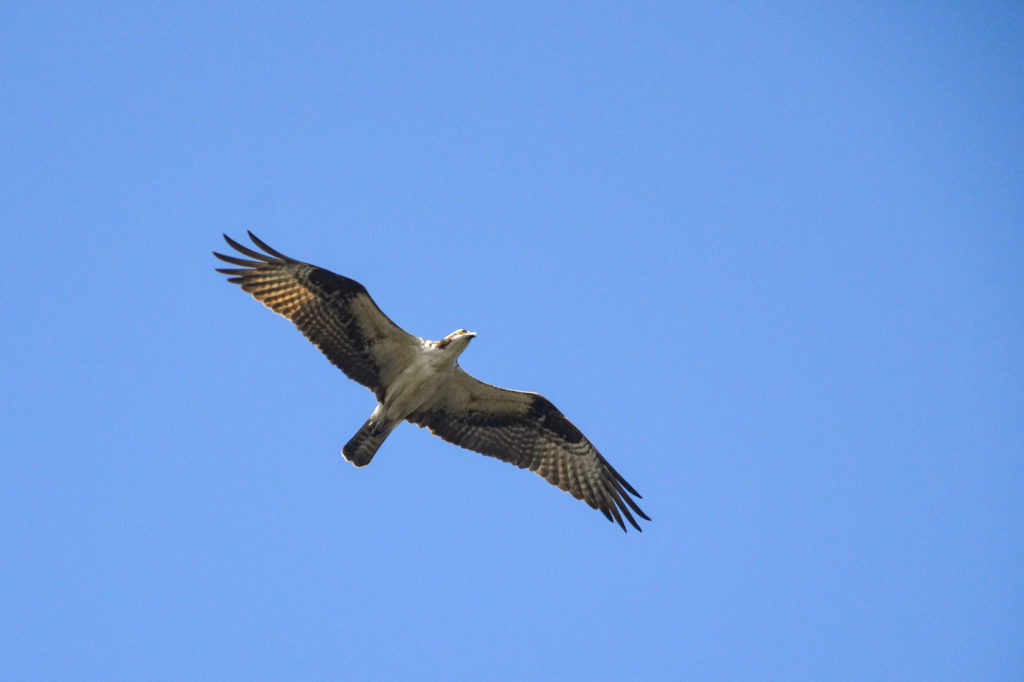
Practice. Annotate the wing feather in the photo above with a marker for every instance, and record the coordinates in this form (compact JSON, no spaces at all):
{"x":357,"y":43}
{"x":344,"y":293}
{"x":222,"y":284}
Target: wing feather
{"x":334,"y":312}
{"x":527,"y":430}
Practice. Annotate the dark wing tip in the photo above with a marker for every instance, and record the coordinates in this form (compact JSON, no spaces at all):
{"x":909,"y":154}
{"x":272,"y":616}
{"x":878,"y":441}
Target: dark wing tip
{"x":263,"y":245}
{"x":618,"y":497}
{"x":615,"y":501}
{"x":268,"y":255}
{"x":234,"y":260}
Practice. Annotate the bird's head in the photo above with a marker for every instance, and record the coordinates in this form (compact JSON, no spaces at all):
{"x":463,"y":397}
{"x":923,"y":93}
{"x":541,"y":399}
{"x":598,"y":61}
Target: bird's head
{"x":457,"y":340}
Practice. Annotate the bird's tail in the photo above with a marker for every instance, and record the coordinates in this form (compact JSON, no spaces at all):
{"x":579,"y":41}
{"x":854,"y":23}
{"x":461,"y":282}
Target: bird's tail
{"x":363,"y":446}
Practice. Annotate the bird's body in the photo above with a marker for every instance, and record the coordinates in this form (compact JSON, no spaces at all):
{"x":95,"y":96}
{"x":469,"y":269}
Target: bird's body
{"x":420,"y":381}
{"x":420,"y":384}
{"x":418,"y":387}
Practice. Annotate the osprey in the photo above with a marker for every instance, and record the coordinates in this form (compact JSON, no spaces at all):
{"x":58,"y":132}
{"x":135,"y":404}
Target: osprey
{"x":420,"y":381}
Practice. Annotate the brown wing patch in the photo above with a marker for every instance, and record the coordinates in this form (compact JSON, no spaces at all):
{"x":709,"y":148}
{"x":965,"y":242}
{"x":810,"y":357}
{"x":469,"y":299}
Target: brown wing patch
{"x":334,"y":312}
{"x":527,"y":430}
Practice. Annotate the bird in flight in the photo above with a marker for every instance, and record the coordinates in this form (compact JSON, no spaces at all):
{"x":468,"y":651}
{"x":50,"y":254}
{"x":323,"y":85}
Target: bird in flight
{"x":420,"y":381}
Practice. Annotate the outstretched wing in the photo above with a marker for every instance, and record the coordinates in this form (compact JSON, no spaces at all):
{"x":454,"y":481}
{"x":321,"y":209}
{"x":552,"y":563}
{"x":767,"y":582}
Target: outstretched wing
{"x":332,"y":311}
{"x":528,"y":431}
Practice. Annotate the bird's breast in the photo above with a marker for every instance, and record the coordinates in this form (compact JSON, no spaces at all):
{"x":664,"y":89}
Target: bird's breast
{"x":417,"y":385}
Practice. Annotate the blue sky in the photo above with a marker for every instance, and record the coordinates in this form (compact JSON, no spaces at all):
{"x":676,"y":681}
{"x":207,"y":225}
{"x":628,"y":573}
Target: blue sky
{"x":768,"y":258}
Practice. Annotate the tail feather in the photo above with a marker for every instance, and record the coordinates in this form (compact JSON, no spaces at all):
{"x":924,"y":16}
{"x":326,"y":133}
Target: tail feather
{"x":363,"y":446}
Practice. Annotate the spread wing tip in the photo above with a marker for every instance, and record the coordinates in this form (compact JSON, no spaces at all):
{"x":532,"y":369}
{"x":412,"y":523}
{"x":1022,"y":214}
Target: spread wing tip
{"x":234,"y":260}
{"x":263,"y":245}
{"x":269,"y":254}
{"x":618,"y":503}
{"x":624,"y":512}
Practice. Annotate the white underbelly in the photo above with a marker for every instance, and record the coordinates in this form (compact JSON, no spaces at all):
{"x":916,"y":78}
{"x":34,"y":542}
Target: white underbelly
{"x":416,"y":386}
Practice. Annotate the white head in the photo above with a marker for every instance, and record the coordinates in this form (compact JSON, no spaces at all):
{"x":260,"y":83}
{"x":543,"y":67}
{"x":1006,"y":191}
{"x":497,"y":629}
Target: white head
{"x":457,"y":341}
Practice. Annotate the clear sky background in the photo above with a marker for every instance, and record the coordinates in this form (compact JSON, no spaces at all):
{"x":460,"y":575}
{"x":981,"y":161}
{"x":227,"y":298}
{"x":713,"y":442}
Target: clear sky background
{"x":769,"y":259}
